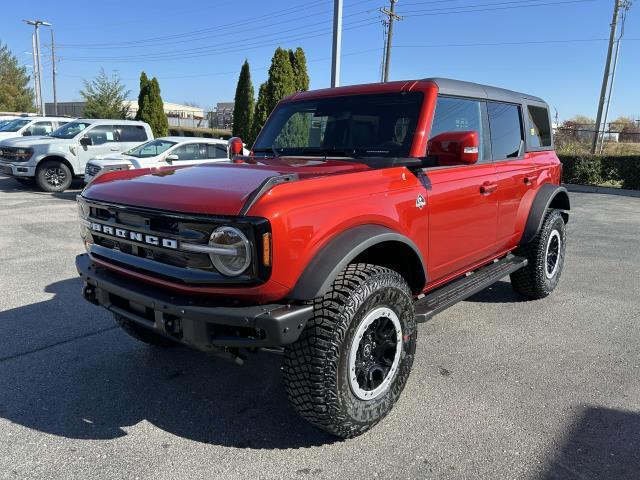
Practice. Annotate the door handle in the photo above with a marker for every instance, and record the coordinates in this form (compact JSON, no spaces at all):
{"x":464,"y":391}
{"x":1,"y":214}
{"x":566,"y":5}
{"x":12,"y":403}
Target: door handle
{"x":114,"y":149}
{"x":529,"y":179}
{"x":487,"y":188}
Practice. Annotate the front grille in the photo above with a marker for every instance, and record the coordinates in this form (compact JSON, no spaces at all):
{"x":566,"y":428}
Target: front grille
{"x":10,"y":154}
{"x":173,"y":264}
{"x":92,"y":170}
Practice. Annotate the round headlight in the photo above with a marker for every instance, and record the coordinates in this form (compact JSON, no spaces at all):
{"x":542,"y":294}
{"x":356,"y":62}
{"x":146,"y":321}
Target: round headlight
{"x":232,"y":253}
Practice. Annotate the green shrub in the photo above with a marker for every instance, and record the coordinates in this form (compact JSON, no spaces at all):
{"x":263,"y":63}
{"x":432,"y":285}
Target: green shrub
{"x":585,"y":169}
{"x":582,"y":169}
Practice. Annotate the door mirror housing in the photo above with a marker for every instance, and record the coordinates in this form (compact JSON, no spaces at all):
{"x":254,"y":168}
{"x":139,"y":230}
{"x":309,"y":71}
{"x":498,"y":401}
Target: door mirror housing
{"x":455,"y":148}
{"x":86,"y":141}
{"x":172,"y":157}
{"x":235,"y":146}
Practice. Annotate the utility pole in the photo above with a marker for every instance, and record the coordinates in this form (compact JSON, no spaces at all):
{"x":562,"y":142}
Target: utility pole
{"x":387,"y":54}
{"x":53,"y":62}
{"x":36,"y":24}
{"x":337,"y":43}
{"x":36,"y":74}
{"x":624,"y":7}
{"x":605,"y":78}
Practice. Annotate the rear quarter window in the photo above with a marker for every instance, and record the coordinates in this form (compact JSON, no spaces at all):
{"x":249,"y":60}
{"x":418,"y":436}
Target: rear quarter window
{"x":539,"y":133}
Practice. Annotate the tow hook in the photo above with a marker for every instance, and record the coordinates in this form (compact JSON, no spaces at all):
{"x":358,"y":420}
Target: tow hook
{"x":89,"y":294}
{"x":227,"y":353}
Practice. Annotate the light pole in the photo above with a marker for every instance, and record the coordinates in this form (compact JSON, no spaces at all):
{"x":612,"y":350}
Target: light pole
{"x":36,"y":53}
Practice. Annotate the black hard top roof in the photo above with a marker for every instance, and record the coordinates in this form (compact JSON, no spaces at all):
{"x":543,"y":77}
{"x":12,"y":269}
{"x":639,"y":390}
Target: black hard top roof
{"x":447,"y":86}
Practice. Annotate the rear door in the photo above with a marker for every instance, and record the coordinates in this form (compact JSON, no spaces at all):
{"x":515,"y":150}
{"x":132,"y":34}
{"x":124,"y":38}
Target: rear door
{"x":216,"y":152}
{"x":130,"y":136}
{"x":462,"y":205}
{"x":514,"y":169}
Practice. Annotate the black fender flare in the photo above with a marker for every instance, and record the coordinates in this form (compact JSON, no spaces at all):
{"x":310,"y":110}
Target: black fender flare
{"x":548,"y":196}
{"x":322,"y":270}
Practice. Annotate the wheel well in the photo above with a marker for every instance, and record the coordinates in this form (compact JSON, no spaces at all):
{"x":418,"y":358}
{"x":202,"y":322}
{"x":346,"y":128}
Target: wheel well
{"x":58,"y":159}
{"x":397,"y":256}
{"x":561,"y":202}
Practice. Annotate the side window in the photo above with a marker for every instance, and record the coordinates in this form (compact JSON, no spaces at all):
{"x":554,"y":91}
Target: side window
{"x":132,"y":133}
{"x":215,"y":151}
{"x":102,"y":134}
{"x":539,"y":134}
{"x":506,"y":130}
{"x":190,"y":151}
{"x":40,"y":128}
{"x":459,"y":115}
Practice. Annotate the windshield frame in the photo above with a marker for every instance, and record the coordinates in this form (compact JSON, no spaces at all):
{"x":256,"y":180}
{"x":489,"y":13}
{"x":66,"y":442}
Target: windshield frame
{"x":67,"y":125}
{"x":412,"y":112}
{"x":145,"y":144}
{"x":16,"y":121}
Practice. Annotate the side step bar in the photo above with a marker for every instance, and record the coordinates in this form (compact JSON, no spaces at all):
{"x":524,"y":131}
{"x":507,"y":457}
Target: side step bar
{"x":442,"y":298}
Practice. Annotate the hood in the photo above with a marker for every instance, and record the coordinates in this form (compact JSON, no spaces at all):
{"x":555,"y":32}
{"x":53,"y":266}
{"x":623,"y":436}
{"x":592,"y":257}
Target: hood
{"x":30,"y":141}
{"x":215,"y":189}
{"x":113,"y":158}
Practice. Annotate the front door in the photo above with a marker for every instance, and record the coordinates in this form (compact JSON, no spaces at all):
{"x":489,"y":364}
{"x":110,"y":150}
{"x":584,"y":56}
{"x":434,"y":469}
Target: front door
{"x":462,"y":204}
{"x":103,"y":138}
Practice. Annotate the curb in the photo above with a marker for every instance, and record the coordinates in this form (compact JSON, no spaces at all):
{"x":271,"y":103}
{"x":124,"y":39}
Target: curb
{"x":605,"y":190}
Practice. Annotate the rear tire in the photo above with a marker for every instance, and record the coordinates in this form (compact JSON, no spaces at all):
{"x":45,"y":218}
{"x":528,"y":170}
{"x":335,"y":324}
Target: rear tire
{"x":143,"y":334}
{"x":353,"y":359}
{"x":545,"y":254}
{"x":53,"y":176}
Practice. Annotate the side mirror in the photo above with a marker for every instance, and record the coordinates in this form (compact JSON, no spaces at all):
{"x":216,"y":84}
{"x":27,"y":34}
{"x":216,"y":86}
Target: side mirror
{"x":26,"y":133}
{"x":172,"y":157}
{"x":86,"y":141}
{"x":454,"y":148}
{"x":235,"y":146}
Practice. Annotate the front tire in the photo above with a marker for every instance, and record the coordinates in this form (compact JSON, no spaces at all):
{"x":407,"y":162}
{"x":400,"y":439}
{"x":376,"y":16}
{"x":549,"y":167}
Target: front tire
{"x":53,"y":176}
{"x":545,"y":254}
{"x":352,"y":361}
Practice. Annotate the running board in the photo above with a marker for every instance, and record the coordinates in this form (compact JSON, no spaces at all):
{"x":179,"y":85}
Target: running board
{"x":442,"y":298}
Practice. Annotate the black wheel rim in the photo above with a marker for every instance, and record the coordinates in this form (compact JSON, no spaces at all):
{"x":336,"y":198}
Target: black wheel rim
{"x":55,"y":176}
{"x":375,"y":353}
{"x":552,"y":255}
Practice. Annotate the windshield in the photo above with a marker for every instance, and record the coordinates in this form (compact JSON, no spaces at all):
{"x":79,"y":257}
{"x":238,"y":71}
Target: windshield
{"x":150,"y":149}
{"x":379,"y":125}
{"x":4,"y":122}
{"x":14,"y":125}
{"x":69,"y":130}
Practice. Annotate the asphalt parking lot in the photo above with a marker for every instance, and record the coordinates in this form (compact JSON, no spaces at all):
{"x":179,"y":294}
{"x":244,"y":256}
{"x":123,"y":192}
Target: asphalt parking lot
{"x":501,"y":388}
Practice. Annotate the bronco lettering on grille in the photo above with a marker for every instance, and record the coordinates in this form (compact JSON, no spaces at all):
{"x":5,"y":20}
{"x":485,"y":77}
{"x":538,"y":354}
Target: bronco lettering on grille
{"x":135,"y":236}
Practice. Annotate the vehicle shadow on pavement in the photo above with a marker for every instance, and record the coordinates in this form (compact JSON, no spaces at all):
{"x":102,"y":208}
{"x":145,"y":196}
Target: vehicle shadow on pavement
{"x":8,"y":184}
{"x":95,"y":382}
{"x":603,"y":443}
{"x":499,"y":292}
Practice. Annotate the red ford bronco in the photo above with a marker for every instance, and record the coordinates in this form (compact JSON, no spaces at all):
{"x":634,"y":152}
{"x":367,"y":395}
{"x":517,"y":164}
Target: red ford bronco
{"x":361,"y":211}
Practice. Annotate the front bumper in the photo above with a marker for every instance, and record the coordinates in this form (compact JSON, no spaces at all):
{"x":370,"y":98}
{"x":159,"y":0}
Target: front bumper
{"x":17,"y":169}
{"x":200,"y":323}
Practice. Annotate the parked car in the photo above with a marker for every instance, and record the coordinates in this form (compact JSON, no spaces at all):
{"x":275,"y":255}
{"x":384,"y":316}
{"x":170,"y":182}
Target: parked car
{"x":53,"y":160}
{"x":363,"y":211}
{"x":161,"y":152}
{"x":31,"y":126}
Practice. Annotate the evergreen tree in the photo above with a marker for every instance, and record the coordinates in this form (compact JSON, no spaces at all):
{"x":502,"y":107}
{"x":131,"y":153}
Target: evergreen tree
{"x":281,"y":82}
{"x":104,"y":97}
{"x":260,"y":114}
{"x":143,"y":95}
{"x":15,"y":93}
{"x":299,"y":65}
{"x":243,"y":106}
{"x":151,"y":106}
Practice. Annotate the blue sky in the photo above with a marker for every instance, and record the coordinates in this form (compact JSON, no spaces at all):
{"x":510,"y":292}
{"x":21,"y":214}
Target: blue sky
{"x":551,"y":48}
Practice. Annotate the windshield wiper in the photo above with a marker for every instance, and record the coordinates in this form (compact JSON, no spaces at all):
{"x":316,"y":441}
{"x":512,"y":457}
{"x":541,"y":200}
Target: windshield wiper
{"x":333,"y":152}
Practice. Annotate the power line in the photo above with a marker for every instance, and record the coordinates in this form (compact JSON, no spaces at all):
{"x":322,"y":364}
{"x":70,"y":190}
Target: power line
{"x":449,"y":12}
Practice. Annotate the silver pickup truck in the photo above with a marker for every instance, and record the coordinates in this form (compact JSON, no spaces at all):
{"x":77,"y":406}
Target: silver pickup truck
{"x":53,"y":160}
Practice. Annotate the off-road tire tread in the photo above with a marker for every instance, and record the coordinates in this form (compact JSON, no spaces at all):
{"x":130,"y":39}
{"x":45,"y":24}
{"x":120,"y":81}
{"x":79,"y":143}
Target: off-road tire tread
{"x":530,"y":280}
{"x":143,"y":334}
{"x":311,"y":363}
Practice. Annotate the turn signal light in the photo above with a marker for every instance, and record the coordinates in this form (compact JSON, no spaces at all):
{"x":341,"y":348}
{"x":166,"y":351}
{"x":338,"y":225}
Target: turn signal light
{"x":266,"y":249}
